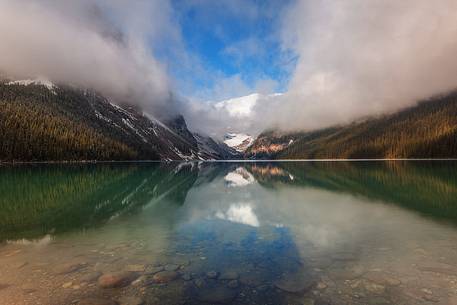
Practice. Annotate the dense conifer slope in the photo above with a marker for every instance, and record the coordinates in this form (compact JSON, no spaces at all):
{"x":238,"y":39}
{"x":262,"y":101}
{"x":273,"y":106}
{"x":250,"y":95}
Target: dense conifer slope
{"x":427,"y":130}
{"x":61,"y":123}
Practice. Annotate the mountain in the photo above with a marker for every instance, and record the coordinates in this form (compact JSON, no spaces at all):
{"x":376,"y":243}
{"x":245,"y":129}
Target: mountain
{"x":42,"y":121}
{"x":210,"y":149}
{"x":427,"y":130}
{"x":238,"y":141}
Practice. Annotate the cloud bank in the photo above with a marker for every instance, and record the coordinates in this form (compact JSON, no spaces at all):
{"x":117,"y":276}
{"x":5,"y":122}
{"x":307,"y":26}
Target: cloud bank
{"x":357,"y":58}
{"x":354,"y":58}
{"x":101,"y":44}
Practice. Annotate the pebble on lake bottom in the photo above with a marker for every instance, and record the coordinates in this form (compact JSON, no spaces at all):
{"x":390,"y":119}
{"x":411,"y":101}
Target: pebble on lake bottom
{"x":116,"y":279}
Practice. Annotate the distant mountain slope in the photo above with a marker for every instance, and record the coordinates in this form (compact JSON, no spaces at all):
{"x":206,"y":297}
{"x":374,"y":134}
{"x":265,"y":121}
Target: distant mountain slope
{"x":208,"y":148}
{"x":428,"y":130}
{"x":238,"y":141}
{"x":40,"y":121}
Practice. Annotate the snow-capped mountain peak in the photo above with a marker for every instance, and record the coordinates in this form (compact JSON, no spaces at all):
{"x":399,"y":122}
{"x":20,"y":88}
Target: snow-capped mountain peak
{"x":238,"y":141}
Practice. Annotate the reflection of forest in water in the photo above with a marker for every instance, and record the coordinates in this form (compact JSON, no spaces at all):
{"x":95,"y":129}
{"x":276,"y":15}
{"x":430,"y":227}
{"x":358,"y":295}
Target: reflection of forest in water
{"x":39,"y":199}
{"x":232,"y":233}
{"x":428,"y":187}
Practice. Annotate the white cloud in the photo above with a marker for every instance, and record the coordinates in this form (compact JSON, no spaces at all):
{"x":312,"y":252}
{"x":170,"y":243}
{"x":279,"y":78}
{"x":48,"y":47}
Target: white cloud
{"x":354,"y":57}
{"x":98,"y":44}
{"x":357,"y":58}
{"x":240,"y":213}
{"x":239,"y":107}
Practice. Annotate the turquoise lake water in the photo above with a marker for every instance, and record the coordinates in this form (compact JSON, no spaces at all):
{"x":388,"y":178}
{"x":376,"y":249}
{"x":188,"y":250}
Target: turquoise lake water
{"x":229,"y":233}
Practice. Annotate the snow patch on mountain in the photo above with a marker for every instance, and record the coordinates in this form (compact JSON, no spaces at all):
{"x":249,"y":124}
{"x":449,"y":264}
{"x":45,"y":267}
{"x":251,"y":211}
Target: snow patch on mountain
{"x":39,"y":81}
{"x":238,"y":141}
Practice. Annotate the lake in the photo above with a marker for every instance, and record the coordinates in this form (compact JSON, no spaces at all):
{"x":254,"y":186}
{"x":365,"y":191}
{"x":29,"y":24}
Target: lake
{"x":229,"y":233}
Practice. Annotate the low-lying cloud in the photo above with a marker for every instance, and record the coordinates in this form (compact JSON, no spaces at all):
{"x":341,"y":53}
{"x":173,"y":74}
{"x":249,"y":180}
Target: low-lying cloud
{"x":355,"y":58}
{"x":358,"y":58}
{"x":98,"y":44}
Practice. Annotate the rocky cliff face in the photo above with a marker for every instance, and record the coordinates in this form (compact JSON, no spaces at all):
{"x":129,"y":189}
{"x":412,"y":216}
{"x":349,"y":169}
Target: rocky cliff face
{"x":268,"y":144}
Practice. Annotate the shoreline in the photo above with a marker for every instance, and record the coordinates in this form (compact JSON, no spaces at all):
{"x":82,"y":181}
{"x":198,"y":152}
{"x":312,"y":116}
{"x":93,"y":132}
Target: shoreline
{"x":221,"y":161}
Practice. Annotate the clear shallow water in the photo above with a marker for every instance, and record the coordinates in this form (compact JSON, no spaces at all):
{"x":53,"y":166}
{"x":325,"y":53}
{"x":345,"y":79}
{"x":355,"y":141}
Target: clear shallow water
{"x":230,"y":233}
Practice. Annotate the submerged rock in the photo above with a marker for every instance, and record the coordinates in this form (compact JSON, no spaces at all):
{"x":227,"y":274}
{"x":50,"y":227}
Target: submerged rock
{"x":70,"y":268}
{"x":374,"y":288}
{"x":135,"y":268}
{"x":165,"y":276}
{"x":199,"y":283}
{"x":116,"y":279}
{"x":90,"y":277}
{"x":171,"y":267}
{"x":142,"y":279}
{"x":212,"y":274}
{"x":4,"y":286}
{"x":67,"y":285}
{"x":321,"y":286}
{"x":233,"y":284}
{"x":153,"y":269}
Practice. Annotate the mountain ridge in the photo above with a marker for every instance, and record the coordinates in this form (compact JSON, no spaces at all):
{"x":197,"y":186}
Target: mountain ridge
{"x":426,"y":130}
{"x":41,"y":121}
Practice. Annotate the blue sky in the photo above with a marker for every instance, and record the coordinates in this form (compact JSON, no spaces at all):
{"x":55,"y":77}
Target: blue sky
{"x":225,"y":45}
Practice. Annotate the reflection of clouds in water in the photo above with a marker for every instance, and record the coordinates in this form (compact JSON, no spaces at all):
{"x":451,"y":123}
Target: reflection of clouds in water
{"x":328,"y":220}
{"x":240,"y":213}
{"x":321,"y":236}
{"x":322,"y":218}
{"x":239,"y":177}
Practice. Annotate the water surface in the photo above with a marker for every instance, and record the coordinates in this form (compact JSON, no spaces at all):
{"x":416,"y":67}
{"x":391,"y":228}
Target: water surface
{"x":229,"y":233}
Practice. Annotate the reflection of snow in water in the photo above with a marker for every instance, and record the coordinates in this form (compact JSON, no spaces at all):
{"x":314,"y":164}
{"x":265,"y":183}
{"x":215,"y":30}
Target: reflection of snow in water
{"x":239,"y":177}
{"x":240,"y":213}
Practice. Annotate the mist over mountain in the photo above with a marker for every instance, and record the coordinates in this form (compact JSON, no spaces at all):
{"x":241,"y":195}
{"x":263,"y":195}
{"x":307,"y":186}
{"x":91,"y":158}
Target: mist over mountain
{"x":427,"y":130}
{"x":355,"y":59}
{"x":103,"y":45}
{"x":238,"y":67}
{"x":43,"y":121}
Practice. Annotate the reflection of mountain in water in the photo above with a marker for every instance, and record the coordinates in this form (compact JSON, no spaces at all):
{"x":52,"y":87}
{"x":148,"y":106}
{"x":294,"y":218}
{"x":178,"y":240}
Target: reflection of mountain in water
{"x":35,"y":200}
{"x":239,"y":233}
{"x":40,"y":199}
{"x":427,"y":187}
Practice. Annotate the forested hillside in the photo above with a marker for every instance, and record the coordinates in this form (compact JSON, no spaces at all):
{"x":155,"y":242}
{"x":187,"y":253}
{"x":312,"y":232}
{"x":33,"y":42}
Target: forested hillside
{"x":31,"y":131}
{"x":45,"y":122}
{"x":427,"y":130}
